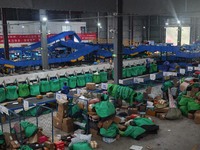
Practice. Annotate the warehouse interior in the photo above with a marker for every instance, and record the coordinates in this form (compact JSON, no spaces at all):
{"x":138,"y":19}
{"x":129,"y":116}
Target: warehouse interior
{"x":100,"y":75}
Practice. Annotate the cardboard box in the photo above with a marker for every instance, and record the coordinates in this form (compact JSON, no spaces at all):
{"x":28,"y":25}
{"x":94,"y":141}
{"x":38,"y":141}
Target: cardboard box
{"x":197,"y":117}
{"x":57,"y":122}
{"x":50,"y":94}
{"x":14,"y":144}
{"x":33,"y":139}
{"x":8,"y":138}
{"x":105,"y":124}
{"x":184,"y":86}
{"x":150,"y":112}
{"x":132,"y":111}
{"x":95,"y":133}
{"x":117,"y":120}
{"x":122,"y":127}
{"x":62,"y":110}
{"x":68,"y":125}
{"x":90,"y":86}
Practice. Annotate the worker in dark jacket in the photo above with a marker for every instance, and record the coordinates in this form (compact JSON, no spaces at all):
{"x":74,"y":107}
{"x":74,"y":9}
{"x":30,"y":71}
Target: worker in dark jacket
{"x":65,"y":89}
{"x":148,"y":66}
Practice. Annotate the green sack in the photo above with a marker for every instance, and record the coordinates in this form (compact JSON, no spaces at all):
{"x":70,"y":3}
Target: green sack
{"x":134,"y":71}
{"x":128,"y":72}
{"x":139,"y":97}
{"x":45,"y":86}
{"x":193,"y":106}
{"x":104,"y":97}
{"x":167,"y":85}
{"x":184,"y":110}
{"x":55,"y":85}
{"x":35,"y":89}
{"x":11,"y":92}
{"x":25,"y":147}
{"x":96,"y":78}
{"x":62,"y":81}
{"x":133,"y":131}
{"x":75,"y":109}
{"x":80,"y":146}
{"x":173,"y":114}
{"x":111,"y":132}
{"x":184,"y":100}
{"x":23,"y":90}
{"x":1,"y":141}
{"x":104,"y":109}
{"x":72,"y":82}
{"x":2,"y":95}
{"x":153,"y":68}
{"x":143,"y":121}
{"x":88,"y":78}
{"x":81,"y":80}
{"x":124,"y":73}
{"x":29,"y":128}
{"x":103,"y":76}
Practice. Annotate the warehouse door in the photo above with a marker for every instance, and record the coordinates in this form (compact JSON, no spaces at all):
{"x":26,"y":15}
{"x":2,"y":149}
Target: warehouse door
{"x":172,"y":35}
{"x":185,"y":35}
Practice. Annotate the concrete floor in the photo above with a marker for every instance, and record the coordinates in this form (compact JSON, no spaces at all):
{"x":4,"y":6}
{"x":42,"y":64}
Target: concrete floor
{"x":181,"y":134}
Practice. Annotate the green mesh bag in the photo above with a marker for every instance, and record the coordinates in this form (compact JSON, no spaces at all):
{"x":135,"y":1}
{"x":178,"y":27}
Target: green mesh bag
{"x":62,"y":81}
{"x":111,"y":132}
{"x":184,"y":110}
{"x":193,"y":106}
{"x":2,"y":95}
{"x":103,"y":76}
{"x":141,"y":70}
{"x":96,"y":78}
{"x":81,"y":80}
{"x":153,"y":68}
{"x":55,"y":85}
{"x":124,"y":73}
{"x":45,"y":86}
{"x":128,"y":72}
{"x":81,"y":146}
{"x":35,"y":89}
{"x":88,"y":78}
{"x":11,"y":92}
{"x":23,"y":90}
{"x":134,"y":71}
{"x":72,"y":82}
{"x":1,"y":141}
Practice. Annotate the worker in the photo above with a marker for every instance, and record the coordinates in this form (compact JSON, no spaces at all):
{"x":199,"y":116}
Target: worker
{"x":147,"y":66}
{"x":65,"y":89}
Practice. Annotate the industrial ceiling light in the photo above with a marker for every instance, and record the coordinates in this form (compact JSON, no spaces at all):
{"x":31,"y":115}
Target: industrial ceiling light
{"x":44,"y":19}
{"x":144,"y":27}
{"x":22,"y":27}
{"x":178,"y":21}
{"x":99,"y":24}
{"x":167,"y":23}
{"x":67,"y":22}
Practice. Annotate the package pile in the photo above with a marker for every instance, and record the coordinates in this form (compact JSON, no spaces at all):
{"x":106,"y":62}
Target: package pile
{"x":25,"y":135}
{"x":61,"y":120}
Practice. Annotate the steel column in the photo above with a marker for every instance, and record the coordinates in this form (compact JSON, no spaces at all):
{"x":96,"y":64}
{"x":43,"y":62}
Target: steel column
{"x":179,"y":36}
{"x":43,"y":29}
{"x":118,"y":39}
{"x":5,"y":33}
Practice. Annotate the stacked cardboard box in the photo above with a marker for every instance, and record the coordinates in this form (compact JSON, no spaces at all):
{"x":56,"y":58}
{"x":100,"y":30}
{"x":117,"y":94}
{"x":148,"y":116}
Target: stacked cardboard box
{"x":61,"y":120}
{"x":90,"y":86}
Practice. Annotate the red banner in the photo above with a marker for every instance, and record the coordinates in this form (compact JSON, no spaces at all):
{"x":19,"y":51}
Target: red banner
{"x":32,"y":38}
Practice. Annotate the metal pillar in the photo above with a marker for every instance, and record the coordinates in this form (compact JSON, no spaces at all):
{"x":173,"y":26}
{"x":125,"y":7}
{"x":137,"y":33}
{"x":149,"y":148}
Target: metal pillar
{"x":149,"y":28}
{"x":43,"y":29}
{"x":118,"y":39}
{"x":179,"y":36}
{"x":5,"y":33}
{"x":98,"y":30}
{"x":108,"y":27}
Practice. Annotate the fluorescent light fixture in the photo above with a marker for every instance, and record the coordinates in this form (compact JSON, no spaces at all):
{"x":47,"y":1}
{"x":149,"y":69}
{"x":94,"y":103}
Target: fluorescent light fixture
{"x":67,"y":22}
{"x":44,"y":19}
